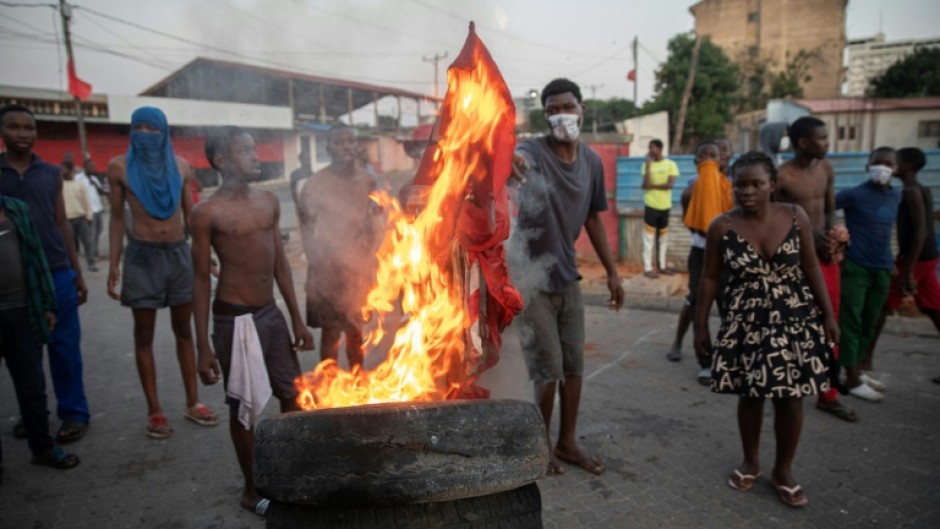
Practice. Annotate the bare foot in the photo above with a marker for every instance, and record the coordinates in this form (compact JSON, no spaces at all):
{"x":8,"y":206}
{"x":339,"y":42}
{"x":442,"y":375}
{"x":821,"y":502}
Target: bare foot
{"x":577,"y":457}
{"x":554,"y":467}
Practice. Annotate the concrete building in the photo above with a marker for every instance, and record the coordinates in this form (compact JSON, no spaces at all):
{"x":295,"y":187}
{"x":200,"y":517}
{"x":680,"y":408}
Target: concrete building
{"x":856,"y":124}
{"x":288,"y":113}
{"x":870,"y":57}
{"x":775,"y":31}
{"x":107,"y":126}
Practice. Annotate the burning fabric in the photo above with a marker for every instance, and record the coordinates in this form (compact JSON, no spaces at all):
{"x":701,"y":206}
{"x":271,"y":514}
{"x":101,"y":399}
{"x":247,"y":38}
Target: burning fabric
{"x":431,"y":264}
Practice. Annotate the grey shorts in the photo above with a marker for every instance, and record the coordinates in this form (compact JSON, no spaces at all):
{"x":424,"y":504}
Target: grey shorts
{"x":551,"y":332}
{"x":276,"y":348}
{"x":157,"y":275}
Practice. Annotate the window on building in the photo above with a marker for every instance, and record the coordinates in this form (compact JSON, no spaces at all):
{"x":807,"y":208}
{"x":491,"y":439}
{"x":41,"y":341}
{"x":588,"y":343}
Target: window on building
{"x":851,"y":133}
{"x":928,"y":129}
{"x":841,"y":133}
{"x":753,"y":16}
{"x":752,"y":51}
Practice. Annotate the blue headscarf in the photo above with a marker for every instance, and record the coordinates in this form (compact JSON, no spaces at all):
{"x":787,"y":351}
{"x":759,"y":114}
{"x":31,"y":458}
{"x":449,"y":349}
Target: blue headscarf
{"x":152,"y":173}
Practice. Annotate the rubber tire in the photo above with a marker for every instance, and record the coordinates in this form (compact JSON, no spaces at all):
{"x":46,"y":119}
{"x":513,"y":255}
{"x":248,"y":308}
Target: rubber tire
{"x":384,"y":454}
{"x":515,"y":509}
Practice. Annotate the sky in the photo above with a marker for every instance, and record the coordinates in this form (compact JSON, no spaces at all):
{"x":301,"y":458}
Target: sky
{"x":382,"y":42}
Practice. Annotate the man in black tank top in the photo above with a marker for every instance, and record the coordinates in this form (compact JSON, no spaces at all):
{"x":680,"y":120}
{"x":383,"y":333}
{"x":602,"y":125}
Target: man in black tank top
{"x":917,"y":259}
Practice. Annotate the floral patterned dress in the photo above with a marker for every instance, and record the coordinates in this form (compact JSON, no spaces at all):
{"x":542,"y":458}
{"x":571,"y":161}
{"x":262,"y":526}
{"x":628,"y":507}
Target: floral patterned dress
{"x":771,"y":342}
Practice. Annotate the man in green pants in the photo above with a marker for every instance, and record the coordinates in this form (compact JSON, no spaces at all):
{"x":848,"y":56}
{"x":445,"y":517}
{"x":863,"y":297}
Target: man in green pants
{"x":870,"y":210}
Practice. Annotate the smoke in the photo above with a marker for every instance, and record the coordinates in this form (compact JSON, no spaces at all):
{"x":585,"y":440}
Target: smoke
{"x":529,"y":272}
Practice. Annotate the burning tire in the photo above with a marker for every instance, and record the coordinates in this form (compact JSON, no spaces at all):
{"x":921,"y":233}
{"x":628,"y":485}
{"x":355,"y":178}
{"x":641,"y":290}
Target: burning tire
{"x":397,"y":453}
{"x":515,"y":509}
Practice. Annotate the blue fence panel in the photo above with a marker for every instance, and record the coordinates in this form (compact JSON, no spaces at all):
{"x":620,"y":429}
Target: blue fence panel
{"x":849,"y":168}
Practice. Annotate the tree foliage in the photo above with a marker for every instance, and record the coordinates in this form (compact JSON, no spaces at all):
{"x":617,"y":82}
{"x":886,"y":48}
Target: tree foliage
{"x":916,"y":75}
{"x":714,"y":95}
{"x":761,"y":81}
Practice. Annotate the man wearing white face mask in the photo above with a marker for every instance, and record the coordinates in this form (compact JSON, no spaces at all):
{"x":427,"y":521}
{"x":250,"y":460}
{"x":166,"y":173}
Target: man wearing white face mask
{"x":870,"y":210}
{"x":562,"y":190}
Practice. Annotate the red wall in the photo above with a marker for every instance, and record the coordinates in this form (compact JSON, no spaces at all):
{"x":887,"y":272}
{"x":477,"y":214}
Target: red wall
{"x":608,"y":153}
{"x":108,"y":141}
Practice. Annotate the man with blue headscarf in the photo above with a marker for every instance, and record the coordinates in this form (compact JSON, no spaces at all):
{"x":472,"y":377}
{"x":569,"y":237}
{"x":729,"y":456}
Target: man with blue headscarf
{"x":158,"y":271}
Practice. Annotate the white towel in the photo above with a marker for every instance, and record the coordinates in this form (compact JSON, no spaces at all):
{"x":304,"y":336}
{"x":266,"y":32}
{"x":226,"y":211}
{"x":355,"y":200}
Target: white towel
{"x":248,"y":378}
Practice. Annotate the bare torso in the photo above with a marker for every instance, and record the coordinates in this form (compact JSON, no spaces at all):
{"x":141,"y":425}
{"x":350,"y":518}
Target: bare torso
{"x":143,"y":226}
{"x":243,"y":230}
{"x":808,"y":187}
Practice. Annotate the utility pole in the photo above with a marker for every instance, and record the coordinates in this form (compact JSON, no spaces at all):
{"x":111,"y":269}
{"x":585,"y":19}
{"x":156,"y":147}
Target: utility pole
{"x":593,"y":88}
{"x":636,"y":71}
{"x":686,"y":92}
{"x":65,"y":11}
{"x":435,"y":60}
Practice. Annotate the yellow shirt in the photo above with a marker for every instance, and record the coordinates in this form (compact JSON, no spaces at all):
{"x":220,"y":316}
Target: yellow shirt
{"x":660,"y":172}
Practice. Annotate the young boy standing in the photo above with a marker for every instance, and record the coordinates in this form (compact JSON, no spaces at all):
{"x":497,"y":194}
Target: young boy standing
{"x":916,"y":264}
{"x":709,"y":197}
{"x":241,"y":225}
{"x":870,"y":209}
{"x":808,"y":180}
{"x":659,"y":177}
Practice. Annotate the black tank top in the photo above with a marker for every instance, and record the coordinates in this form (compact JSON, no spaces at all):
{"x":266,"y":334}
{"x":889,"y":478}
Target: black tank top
{"x":906,"y":226}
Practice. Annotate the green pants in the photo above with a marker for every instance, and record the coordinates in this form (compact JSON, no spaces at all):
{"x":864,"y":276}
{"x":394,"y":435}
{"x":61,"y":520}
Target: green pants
{"x":864,"y":291}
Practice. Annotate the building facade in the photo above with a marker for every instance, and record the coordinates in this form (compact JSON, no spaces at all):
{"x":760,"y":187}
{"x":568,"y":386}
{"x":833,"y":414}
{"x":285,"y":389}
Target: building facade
{"x":773,"y":32}
{"x":868,"y":58}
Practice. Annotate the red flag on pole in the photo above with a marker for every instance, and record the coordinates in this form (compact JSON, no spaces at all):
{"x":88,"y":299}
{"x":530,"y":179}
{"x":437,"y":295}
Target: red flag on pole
{"x":77,"y":87}
{"x":631,"y":75}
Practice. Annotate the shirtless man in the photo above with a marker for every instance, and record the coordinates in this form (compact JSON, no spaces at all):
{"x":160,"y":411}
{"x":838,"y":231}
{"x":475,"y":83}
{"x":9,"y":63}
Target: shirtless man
{"x":158,"y":264}
{"x":340,"y":227}
{"x":807,"y":180}
{"x":241,"y":225}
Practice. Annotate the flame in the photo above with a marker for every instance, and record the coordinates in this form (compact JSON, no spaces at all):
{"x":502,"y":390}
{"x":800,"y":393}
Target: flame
{"x":418,"y":265}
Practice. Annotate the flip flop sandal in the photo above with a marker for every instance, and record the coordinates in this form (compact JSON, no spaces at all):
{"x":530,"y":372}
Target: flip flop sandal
{"x":157,"y":427}
{"x":201,"y":415}
{"x":839,"y":411}
{"x":260,"y":508}
{"x":788,"y":495}
{"x":744,"y":482}
{"x":71,"y":431}
{"x":56,"y":458}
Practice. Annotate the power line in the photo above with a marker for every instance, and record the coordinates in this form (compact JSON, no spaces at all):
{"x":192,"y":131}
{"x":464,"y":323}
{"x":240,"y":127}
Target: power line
{"x":85,"y":46}
{"x":23,"y":4}
{"x":603,"y":61}
{"x":436,"y":59}
{"x":540,"y":45}
{"x":128,"y":44}
{"x":270,"y":63}
{"x":371,"y":24}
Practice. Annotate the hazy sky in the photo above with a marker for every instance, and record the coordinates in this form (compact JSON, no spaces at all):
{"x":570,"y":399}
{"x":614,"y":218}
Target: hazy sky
{"x":380,"y":41}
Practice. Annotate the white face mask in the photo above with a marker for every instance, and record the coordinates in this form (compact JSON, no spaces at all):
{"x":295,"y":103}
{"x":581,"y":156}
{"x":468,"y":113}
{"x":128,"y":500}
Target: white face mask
{"x":880,"y":174}
{"x":565,"y":126}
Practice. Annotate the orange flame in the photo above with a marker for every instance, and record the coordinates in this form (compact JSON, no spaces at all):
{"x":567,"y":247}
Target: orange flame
{"x":431,"y":357}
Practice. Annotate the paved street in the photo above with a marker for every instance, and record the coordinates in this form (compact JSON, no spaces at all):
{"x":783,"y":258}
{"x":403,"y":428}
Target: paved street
{"x":668,"y":443}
